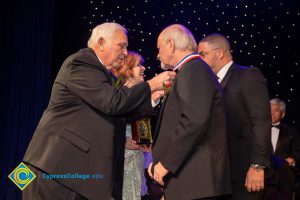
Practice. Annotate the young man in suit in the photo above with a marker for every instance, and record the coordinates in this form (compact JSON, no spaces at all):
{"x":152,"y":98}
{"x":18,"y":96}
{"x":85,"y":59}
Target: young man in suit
{"x":286,"y":155}
{"x":248,"y":116}
{"x":190,"y":154}
{"x":78,"y":132}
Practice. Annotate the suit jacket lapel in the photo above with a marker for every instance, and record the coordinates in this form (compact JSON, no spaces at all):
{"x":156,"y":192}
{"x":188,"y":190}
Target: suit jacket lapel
{"x":281,"y":139}
{"x":227,"y":76}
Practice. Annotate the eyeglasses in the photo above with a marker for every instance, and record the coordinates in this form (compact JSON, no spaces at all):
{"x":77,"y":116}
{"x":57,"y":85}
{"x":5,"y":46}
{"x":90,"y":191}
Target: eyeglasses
{"x":204,"y":53}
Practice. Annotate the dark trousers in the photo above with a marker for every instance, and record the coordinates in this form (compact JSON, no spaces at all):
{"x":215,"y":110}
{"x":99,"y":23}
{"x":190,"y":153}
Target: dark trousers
{"x":239,"y":192}
{"x":42,"y":189}
{"x":280,"y":184}
{"x":224,"y":197}
{"x":297,"y":187}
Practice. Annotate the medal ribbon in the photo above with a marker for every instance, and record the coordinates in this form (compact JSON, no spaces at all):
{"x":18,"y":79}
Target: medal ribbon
{"x":186,"y":59}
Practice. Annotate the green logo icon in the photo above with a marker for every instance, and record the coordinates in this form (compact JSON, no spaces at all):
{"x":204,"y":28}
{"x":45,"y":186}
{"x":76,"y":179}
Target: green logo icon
{"x":22,"y":176}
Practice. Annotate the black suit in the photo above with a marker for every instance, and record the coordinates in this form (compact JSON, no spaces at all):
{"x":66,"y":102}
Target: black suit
{"x":282,"y":177}
{"x":249,"y":122}
{"x":191,"y":140}
{"x":288,"y":143}
{"x":78,"y":132}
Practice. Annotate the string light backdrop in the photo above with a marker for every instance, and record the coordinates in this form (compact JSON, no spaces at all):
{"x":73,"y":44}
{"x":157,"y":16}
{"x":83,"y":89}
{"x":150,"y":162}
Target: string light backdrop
{"x":263,"y":33}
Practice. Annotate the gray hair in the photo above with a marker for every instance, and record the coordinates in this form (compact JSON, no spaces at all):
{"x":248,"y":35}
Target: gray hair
{"x":279,"y":102}
{"x":106,"y":31}
{"x":183,"y":38}
{"x":217,"y":40}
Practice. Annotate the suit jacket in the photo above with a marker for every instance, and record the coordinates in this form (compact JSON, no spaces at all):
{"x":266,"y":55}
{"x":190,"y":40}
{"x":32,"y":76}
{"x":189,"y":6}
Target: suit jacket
{"x":79,"y":132}
{"x":288,"y":143}
{"x":191,"y":140}
{"x":281,"y":174}
{"x":249,"y":119}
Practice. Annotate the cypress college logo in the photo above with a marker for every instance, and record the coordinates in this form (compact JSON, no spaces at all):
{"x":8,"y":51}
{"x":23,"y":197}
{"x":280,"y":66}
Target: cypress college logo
{"x":22,"y":176}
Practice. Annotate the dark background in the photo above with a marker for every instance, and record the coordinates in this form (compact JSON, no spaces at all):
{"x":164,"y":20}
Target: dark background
{"x":36,"y":36}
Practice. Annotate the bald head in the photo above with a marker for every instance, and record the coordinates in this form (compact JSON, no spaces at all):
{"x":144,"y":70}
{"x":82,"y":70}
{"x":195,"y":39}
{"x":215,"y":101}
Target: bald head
{"x":182,"y":37}
{"x":174,"y":43}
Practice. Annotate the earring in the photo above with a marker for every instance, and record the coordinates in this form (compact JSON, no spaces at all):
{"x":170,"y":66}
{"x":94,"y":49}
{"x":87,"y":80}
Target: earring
{"x":101,"y":48}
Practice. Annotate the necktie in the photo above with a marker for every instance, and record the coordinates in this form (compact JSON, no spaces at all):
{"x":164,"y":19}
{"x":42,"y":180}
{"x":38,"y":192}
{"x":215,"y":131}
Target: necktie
{"x":113,"y":77}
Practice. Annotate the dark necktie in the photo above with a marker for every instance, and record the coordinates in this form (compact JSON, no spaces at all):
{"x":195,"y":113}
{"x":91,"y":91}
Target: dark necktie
{"x":113,"y":77}
{"x":276,"y":126}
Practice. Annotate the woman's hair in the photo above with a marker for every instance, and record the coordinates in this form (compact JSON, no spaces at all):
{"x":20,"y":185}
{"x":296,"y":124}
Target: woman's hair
{"x":131,"y":60}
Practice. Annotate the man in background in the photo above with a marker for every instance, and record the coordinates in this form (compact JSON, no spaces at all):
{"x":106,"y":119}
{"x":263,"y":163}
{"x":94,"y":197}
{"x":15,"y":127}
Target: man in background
{"x":286,"y":155}
{"x":248,"y":116}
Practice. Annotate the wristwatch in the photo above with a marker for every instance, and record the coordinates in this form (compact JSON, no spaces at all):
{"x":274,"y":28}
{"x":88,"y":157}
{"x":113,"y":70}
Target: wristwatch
{"x":257,"y":167}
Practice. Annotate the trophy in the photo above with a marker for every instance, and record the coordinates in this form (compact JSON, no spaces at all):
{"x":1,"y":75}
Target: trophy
{"x":141,"y":131}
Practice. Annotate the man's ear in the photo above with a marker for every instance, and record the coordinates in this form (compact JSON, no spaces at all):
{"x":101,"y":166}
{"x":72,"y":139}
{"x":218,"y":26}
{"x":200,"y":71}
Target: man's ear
{"x":172,"y":45}
{"x":220,"y":53}
{"x":100,"y":43}
{"x":282,"y":115}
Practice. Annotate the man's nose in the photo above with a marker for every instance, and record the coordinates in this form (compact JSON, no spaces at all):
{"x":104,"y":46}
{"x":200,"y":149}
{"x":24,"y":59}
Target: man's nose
{"x":125,"y":51}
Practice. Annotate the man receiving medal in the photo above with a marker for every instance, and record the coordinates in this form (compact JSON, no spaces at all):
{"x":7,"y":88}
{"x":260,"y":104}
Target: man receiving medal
{"x":190,"y":155}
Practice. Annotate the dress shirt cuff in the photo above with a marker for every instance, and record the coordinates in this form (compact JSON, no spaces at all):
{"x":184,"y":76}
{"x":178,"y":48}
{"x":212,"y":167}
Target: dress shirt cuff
{"x":153,"y":103}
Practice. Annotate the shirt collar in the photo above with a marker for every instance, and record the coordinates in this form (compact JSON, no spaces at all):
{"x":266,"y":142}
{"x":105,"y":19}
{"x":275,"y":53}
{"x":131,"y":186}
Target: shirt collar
{"x":99,"y":60}
{"x":221,"y":74}
{"x":276,"y":124}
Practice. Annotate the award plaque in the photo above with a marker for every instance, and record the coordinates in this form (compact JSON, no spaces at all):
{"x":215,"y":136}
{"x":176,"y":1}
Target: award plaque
{"x":141,"y":131}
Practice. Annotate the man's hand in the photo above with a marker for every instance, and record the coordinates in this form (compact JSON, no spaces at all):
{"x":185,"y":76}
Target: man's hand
{"x":255,"y":180}
{"x":157,"y":95}
{"x":159,"y":173}
{"x":149,"y":170}
{"x":157,"y":82}
{"x":291,"y":161}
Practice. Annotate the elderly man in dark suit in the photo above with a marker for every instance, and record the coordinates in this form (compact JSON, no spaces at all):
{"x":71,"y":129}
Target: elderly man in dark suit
{"x":190,"y":154}
{"x":286,"y":155}
{"x":248,"y":116}
{"x":78,"y":131}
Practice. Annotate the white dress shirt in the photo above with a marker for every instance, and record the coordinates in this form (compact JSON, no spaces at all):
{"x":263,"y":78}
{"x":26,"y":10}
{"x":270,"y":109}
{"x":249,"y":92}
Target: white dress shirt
{"x":275,"y":135}
{"x":221,"y":74}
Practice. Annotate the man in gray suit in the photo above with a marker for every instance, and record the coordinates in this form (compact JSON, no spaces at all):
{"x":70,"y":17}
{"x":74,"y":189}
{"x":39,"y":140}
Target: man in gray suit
{"x":78,"y":132}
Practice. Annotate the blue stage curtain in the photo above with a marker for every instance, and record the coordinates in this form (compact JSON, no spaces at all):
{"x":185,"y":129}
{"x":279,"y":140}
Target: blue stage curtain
{"x":26,"y":60}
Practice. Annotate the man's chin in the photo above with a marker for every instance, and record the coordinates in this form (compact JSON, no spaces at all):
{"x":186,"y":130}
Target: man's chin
{"x":116,"y":65}
{"x":166,"y":67}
